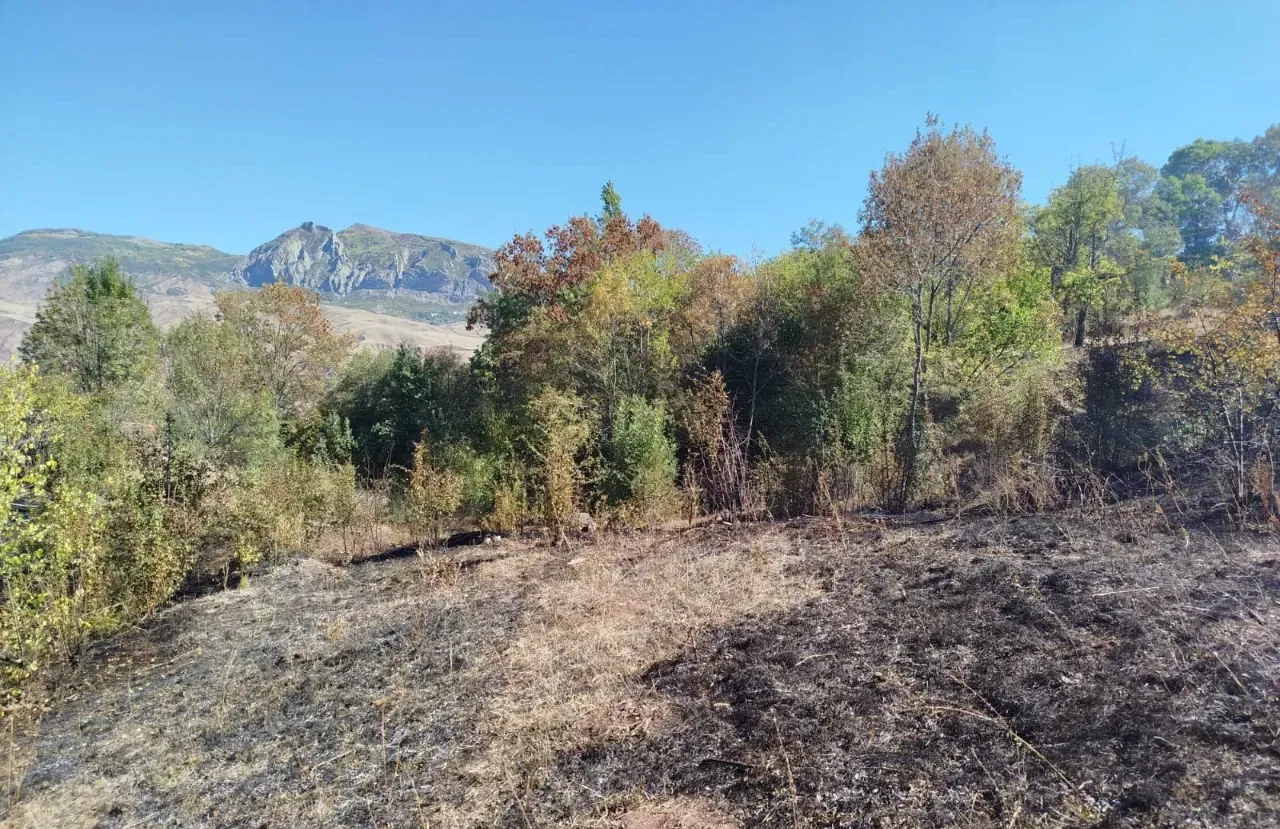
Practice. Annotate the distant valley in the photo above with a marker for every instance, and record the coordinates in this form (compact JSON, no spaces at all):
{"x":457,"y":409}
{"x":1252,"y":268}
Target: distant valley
{"x":383,"y":287}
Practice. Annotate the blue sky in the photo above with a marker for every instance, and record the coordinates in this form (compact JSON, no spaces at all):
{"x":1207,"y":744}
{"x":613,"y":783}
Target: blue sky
{"x":227,"y":122}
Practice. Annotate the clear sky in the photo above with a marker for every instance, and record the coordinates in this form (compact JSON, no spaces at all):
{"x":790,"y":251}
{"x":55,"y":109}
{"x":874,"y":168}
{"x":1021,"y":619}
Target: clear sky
{"x":227,"y":122}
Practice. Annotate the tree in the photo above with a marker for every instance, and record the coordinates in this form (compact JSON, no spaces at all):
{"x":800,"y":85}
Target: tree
{"x":1207,"y":183}
{"x":392,"y":398}
{"x":540,"y":288}
{"x":1198,"y":208}
{"x":93,"y":329}
{"x":611,"y":203}
{"x":1226,"y":372}
{"x":1266,"y":167}
{"x":219,"y":405}
{"x":1072,"y":236}
{"x":1223,"y":167}
{"x":938,"y":222}
{"x":290,"y":343}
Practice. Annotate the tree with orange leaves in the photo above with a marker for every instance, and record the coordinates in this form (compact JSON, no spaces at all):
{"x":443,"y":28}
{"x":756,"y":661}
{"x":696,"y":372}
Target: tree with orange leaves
{"x":291,"y":343}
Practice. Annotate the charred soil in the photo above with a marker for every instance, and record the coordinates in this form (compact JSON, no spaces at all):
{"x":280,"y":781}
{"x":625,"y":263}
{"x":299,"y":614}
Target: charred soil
{"x":1028,"y":672}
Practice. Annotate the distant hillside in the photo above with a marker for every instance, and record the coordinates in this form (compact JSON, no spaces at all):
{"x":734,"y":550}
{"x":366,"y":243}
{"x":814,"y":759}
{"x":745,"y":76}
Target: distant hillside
{"x":364,"y":260}
{"x":375,"y":275}
{"x":31,"y":260}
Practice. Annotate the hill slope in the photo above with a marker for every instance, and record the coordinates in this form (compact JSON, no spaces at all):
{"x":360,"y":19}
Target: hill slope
{"x":31,"y":260}
{"x":982,"y":673}
{"x":383,"y":287}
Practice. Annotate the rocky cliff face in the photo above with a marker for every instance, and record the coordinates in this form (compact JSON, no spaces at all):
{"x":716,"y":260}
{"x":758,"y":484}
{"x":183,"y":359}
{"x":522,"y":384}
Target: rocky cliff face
{"x":364,"y":259}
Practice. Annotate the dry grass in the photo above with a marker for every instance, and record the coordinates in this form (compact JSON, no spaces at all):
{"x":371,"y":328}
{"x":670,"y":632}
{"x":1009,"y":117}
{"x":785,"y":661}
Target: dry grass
{"x":986,"y":673}
{"x":618,"y":608}
{"x":678,"y":813}
{"x":564,"y":676}
{"x":370,"y":330}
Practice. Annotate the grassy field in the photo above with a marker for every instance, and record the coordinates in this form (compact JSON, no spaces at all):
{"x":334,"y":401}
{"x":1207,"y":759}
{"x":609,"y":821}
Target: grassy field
{"x":985,"y":673}
{"x":370,"y":329}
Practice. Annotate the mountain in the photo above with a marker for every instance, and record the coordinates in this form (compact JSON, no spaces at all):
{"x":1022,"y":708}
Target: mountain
{"x":31,"y":260}
{"x":383,"y":287}
{"x":364,"y":260}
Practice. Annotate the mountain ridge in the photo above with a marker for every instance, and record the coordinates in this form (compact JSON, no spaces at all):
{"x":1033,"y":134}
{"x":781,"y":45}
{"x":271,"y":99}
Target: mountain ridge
{"x":363,"y":259}
{"x":381,"y":285}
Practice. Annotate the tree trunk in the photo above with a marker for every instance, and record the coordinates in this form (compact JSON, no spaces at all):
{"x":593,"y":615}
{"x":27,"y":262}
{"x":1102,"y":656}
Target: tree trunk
{"x":909,"y":450}
{"x":1081,"y":316}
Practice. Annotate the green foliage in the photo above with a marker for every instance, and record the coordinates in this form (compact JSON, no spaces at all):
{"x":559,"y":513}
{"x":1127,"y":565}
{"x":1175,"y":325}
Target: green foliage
{"x":434,"y":494}
{"x":611,"y":203}
{"x":78,"y":555}
{"x":940,"y":224}
{"x":509,"y":508}
{"x":323,"y":439}
{"x":640,"y":467}
{"x":281,"y":507}
{"x":288,"y":342}
{"x":93,"y":329}
{"x":390,"y":399}
{"x":46,"y":531}
{"x":219,"y":405}
{"x":560,"y":429}
{"x":1198,"y":208}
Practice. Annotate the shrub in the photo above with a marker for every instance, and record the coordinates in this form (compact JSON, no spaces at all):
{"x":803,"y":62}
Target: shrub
{"x":322,"y":438}
{"x":51,"y":540}
{"x":560,"y":428}
{"x":510,"y":504}
{"x":641,"y":459}
{"x":434,"y":494}
{"x":717,"y":454}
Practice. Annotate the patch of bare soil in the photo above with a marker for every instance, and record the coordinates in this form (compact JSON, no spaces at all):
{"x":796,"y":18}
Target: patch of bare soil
{"x":977,"y":673}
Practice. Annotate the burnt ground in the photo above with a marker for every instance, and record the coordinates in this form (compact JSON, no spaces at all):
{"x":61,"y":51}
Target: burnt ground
{"x":983,"y":674}
{"x":1029,"y":672}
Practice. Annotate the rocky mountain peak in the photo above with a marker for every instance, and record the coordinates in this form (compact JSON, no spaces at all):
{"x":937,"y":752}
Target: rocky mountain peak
{"x":367,"y":259}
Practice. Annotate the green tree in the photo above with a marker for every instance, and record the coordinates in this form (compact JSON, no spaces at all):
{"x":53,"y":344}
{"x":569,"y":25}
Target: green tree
{"x":1073,"y":235}
{"x":219,"y":405}
{"x":1208,"y":184}
{"x":1224,"y":167}
{"x":611,"y":203}
{"x":93,"y":329}
{"x":939,"y":221}
{"x":392,"y":398}
{"x":1198,"y":208}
